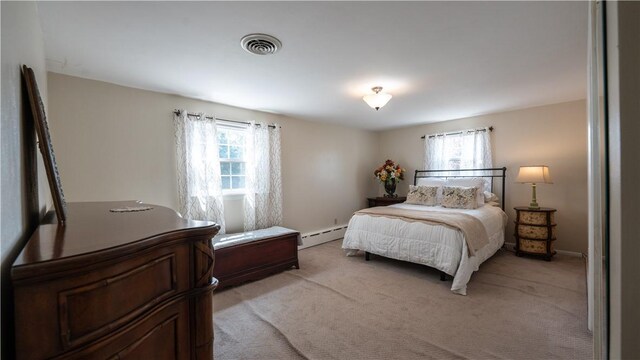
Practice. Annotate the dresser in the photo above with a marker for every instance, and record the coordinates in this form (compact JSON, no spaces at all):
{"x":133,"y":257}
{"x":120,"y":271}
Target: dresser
{"x":535,"y":232}
{"x":385,"y":201}
{"x":115,"y":285}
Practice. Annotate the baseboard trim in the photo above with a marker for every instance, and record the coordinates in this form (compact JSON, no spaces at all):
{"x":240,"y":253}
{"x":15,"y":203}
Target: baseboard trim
{"x":323,"y":236}
{"x":512,"y":246}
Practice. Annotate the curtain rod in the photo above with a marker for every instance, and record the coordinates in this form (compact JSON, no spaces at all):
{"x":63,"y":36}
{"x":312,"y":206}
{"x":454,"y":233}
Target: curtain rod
{"x":177,"y":112}
{"x":458,"y":132}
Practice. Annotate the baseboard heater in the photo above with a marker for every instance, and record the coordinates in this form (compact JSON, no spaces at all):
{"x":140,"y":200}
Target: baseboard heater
{"x":322,"y":236}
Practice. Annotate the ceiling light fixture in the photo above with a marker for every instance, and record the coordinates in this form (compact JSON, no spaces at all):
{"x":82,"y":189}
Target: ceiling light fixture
{"x":377,"y":100}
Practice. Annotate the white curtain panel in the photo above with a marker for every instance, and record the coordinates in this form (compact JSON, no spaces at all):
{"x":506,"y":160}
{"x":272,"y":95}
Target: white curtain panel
{"x":476,"y":150}
{"x":199,"y":181}
{"x":263,"y":198}
{"x":470,"y":149}
{"x":434,"y":150}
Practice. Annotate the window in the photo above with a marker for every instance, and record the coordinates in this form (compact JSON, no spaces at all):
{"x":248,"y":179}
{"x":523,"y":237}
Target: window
{"x":453,"y":155}
{"x":231,"y":150}
{"x":467,"y":149}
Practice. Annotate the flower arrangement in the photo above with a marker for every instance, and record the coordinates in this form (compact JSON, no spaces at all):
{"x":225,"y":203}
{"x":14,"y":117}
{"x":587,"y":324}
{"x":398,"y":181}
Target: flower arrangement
{"x":389,"y":174}
{"x":389,"y":171}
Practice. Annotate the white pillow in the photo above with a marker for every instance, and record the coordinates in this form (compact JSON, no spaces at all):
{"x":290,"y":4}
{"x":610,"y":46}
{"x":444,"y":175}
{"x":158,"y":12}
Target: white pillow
{"x":432,"y":181}
{"x":476,"y":182}
{"x":490,"y":197}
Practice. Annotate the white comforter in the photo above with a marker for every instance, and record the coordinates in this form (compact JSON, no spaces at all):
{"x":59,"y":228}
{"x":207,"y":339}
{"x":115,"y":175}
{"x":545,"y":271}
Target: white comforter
{"x":437,"y":246}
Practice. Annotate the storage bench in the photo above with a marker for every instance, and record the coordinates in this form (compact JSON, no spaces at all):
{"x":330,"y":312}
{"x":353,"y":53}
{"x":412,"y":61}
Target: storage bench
{"x":254,"y":255}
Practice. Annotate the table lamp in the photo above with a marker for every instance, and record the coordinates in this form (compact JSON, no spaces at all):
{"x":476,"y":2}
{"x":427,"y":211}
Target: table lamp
{"x":537,"y":174}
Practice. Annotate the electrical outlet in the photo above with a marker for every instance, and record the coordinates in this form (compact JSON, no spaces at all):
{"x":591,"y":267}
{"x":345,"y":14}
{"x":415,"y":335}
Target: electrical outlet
{"x":335,"y":221}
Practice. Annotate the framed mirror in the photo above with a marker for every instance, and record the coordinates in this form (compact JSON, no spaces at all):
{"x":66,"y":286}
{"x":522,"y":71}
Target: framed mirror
{"x":44,"y":143}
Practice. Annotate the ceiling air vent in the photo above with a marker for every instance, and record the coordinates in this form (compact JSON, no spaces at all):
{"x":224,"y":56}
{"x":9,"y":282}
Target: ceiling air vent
{"x":260,"y":44}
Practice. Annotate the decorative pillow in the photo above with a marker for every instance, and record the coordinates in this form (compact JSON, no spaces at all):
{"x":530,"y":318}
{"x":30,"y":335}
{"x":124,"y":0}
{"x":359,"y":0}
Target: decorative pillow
{"x":476,"y":182}
{"x":432,"y":181}
{"x":422,"y":195}
{"x":459,"y":197}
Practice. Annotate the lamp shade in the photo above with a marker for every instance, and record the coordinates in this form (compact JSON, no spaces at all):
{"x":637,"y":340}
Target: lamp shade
{"x":538,"y":174}
{"x":377,"y":100}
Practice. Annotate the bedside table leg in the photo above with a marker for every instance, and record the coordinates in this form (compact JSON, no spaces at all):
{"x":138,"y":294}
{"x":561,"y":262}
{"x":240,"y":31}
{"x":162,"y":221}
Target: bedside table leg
{"x":366,"y":256}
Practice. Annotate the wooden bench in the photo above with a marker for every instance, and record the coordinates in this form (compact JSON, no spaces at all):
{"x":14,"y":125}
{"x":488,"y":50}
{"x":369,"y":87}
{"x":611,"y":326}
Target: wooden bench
{"x":254,"y":255}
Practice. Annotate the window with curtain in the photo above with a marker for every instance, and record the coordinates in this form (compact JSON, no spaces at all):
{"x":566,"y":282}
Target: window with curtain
{"x":467,"y":149}
{"x":216,"y":158}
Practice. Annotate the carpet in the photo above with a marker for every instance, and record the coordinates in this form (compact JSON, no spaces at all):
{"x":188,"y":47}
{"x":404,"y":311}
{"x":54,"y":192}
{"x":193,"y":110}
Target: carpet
{"x":338,"y":307}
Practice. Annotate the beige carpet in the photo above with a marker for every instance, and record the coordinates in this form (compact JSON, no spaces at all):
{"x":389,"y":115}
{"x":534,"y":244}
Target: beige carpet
{"x":337,"y":307}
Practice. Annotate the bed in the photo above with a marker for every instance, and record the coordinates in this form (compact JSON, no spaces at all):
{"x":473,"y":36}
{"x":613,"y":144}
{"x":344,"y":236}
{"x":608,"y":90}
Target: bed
{"x":440,"y":246}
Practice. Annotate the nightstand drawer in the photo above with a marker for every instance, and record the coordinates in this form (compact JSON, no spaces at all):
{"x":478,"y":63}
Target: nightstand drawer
{"x":535,"y":246}
{"x":536,"y":232}
{"x":535,"y":217}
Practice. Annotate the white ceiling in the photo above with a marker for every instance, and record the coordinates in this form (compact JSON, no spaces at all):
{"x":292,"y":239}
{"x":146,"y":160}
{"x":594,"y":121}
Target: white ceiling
{"x":440,"y":61}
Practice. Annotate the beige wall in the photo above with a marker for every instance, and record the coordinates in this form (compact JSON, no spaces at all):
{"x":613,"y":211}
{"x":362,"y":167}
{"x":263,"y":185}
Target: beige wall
{"x":21,"y":44}
{"x":555,"y":135}
{"x":116,"y":143}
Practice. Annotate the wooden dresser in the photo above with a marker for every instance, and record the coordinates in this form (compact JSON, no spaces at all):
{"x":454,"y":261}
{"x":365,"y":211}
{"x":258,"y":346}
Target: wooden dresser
{"x":107,"y":285}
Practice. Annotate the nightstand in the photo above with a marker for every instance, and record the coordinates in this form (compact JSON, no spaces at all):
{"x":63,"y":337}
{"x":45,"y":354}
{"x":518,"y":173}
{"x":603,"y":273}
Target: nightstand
{"x":535,"y":232}
{"x":385,"y":201}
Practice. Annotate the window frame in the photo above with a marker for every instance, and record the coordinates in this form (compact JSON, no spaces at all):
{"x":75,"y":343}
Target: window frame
{"x":233,"y":127}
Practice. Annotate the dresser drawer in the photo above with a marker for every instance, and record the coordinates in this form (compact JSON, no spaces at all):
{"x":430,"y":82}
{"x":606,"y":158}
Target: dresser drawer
{"x":163,"y":334}
{"x":79,"y":308}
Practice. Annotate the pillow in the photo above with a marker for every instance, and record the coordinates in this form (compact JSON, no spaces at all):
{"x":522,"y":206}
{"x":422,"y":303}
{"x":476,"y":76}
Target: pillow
{"x":476,"y":182}
{"x":432,"y":181}
{"x":423,"y":195}
{"x":459,"y":197}
{"x":490,"y":197}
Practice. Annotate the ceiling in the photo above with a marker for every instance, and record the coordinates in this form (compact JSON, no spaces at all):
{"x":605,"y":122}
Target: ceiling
{"x":439,"y":60}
